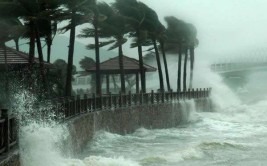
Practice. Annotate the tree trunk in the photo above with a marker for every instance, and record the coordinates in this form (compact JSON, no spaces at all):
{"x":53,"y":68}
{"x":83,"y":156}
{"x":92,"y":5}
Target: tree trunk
{"x":49,"y":45}
{"x":68,"y":88}
{"x":142,"y":69}
{"x":179,"y":69}
{"x":161,"y":83}
{"x":141,"y":66}
{"x":122,"y":75}
{"x":6,"y":75}
{"x":31,"y":55}
{"x":41,"y":59}
{"x":185,"y":68}
{"x":165,"y":65}
{"x":97,"y":58}
{"x":192,"y":61}
{"x":17,"y":43}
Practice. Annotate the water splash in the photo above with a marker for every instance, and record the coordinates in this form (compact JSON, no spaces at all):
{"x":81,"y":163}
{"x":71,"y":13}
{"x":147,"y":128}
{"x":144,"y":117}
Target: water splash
{"x":189,"y":112}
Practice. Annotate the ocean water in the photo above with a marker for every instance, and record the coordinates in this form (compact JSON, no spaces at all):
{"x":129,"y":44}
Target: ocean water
{"x":234,"y":133}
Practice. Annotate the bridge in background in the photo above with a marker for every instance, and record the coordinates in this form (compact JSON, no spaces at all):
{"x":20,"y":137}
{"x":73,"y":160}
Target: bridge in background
{"x":240,"y":68}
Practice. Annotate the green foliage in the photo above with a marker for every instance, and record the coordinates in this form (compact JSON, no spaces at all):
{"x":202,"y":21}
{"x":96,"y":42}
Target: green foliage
{"x":87,"y":63}
{"x":57,"y":76}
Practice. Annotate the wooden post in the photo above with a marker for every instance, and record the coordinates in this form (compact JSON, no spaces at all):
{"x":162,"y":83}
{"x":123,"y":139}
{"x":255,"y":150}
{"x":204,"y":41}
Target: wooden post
{"x":6,"y":129}
{"x":193,"y":93}
{"x":137,"y":82}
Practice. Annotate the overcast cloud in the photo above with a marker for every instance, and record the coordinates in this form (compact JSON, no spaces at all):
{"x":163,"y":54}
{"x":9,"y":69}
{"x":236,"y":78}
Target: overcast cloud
{"x":225,"y":27}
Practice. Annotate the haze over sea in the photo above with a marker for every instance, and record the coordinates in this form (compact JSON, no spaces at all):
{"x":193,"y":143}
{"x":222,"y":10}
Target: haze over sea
{"x":235,"y":133}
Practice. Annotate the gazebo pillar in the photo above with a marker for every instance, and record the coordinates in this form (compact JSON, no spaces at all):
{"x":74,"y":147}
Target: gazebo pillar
{"x":107,"y":83}
{"x":137,"y":82}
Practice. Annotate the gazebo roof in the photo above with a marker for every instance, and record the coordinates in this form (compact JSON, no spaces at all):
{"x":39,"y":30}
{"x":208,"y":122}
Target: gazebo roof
{"x":15,"y":57}
{"x":111,"y":66}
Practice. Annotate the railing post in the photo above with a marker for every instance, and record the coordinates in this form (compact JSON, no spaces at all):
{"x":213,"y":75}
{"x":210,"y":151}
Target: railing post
{"x":6,"y":129}
{"x":124,"y":101}
{"x":73,"y":99}
{"x":120,"y":100}
{"x":197,"y":93}
{"x":188,"y":94}
{"x":78,"y":105}
{"x":193,"y":93}
{"x":85,"y":107}
{"x":210,"y":91}
{"x":130,"y":99}
{"x":68,"y":106}
{"x":94,"y":102}
{"x":162,"y":97}
{"x":152,"y":97}
{"x":141,"y":98}
{"x":110,"y":100}
{"x":171,"y":92}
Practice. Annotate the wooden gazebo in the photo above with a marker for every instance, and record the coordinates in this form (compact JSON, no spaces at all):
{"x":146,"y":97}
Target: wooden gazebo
{"x":16,"y":60}
{"x":15,"y":65}
{"x":111,"y":67}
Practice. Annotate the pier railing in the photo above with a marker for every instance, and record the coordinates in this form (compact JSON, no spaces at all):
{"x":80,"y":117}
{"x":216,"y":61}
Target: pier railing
{"x":8,"y":131}
{"x":73,"y":106}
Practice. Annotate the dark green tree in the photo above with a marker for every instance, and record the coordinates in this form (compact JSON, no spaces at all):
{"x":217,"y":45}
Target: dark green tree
{"x":175,"y":42}
{"x":135,"y":11}
{"x":78,"y":12}
{"x":86,"y":63}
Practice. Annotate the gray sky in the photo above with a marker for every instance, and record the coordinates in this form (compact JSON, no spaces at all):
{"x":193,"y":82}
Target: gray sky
{"x":224,"y":26}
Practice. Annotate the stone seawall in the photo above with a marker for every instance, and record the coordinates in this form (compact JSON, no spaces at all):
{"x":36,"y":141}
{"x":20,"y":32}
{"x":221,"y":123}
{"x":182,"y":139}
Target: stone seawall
{"x":127,"y":120}
{"x":121,"y":121}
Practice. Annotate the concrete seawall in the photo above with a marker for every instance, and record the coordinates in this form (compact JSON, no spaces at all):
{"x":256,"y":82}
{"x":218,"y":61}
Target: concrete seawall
{"x":126,"y":120}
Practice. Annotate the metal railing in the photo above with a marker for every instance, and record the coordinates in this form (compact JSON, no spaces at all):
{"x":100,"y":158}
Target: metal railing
{"x":8,"y":131}
{"x":73,"y":106}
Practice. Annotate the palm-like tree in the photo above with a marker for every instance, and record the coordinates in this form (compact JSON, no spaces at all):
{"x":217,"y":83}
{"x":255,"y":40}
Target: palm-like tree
{"x":176,"y":32}
{"x":114,"y":26}
{"x":192,"y":43}
{"x":136,"y":12}
{"x":95,"y":32}
{"x":154,"y":28}
{"x":76,"y":12}
{"x":36,"y":16}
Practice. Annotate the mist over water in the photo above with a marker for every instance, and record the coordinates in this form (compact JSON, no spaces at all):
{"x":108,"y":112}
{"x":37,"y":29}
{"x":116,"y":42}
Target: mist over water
{"x":231,"y":134}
